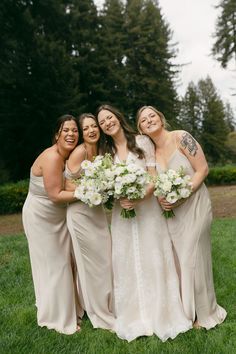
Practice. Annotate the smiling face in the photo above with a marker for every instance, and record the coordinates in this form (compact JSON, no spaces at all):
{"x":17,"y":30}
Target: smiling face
{"x":91,"y":133}
{"x":149,"y":122}
{"x":108,"y":122}
{"x":68,"y":135}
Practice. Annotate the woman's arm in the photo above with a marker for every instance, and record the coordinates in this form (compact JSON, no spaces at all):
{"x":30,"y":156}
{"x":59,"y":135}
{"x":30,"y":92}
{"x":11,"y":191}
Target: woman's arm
{"x":73,"y":166}
{"x":194,"y":153}
{"x":52,"y":169}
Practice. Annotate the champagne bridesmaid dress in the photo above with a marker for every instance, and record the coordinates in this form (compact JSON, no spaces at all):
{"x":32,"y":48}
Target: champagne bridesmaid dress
{"x":50,"y":255}
{"x":146,"y":286}
{"x":92,"y":249}
{"x":190,"y":233}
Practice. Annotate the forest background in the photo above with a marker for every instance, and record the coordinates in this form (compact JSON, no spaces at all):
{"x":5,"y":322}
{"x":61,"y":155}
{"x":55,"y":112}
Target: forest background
{"x":59,"y":56}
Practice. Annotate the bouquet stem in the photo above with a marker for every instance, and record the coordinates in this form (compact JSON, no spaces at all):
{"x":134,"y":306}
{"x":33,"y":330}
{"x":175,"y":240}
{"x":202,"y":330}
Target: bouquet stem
{"x":109,"y":203}
{"x":127,"y":214}
{"x":168,"y":214}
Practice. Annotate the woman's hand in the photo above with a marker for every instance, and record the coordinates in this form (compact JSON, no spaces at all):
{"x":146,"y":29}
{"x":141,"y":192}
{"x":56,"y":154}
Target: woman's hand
{"x":168,"y":206}
{"x":164,"y":204}
{"x":129,"y":204}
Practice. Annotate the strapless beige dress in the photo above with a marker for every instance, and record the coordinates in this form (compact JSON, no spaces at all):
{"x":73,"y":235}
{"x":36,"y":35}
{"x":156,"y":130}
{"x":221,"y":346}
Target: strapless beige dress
{"x":92,"y":249}
{"x":50,"y":255}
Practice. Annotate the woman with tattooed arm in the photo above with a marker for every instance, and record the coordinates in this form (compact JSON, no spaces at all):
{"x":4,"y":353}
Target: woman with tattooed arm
{"x":190,"y":227}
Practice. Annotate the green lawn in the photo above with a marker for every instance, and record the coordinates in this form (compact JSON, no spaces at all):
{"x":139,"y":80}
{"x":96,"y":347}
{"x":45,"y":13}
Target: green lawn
{"x":19,"y":332}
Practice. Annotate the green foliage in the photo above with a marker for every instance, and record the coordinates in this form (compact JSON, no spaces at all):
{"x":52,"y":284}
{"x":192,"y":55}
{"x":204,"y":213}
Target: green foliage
{"x":12,"y":196}
{"x":150,"y":73}
{"x":222,"y":175}
{"x":231,"y":143}
{"x":111,"y":53}
{"x":62,"y":56}
{"x":20,"y":333}
{"x":38,"y":80}
{"x":224,"y":48}
{"x":205,"y":116}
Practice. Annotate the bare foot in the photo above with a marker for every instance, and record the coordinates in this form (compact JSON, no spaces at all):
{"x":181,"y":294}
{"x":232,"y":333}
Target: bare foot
{"x":196,"y":325}
{"x":78,"y":328}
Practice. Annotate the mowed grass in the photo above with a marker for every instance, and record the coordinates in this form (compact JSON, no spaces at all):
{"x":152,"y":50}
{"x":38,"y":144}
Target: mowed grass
{"x":19,"y":332}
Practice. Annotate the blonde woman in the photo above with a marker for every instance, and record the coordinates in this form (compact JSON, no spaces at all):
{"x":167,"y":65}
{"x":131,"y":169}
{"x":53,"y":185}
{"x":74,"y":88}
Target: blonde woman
{"x":190,"y":227}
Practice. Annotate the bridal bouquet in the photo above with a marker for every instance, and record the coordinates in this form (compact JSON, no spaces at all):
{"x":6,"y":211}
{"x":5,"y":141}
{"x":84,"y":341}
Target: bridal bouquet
{"x":173,"y":185}
{"x":130,"y":182}
{"x":95,"y":185}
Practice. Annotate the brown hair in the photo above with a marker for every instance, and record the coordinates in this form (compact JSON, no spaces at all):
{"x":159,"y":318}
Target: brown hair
{"x":81,"y":119}
{"x":107,"y":143}
{"x":59,"y":125}
{"x":160,"y":114}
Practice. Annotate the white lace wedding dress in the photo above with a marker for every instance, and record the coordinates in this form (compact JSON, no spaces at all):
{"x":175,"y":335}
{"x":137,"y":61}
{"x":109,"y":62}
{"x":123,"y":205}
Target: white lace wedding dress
{"x":146,"y":287}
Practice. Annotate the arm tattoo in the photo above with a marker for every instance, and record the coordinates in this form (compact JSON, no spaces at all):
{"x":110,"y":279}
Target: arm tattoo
{"x":189,"y":142}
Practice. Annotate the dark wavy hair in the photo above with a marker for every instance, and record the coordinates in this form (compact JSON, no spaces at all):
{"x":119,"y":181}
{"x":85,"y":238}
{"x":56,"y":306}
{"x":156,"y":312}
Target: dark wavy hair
{"x":107,"y":143}
{"x":81,"y":119}
{"x":59,"y":125}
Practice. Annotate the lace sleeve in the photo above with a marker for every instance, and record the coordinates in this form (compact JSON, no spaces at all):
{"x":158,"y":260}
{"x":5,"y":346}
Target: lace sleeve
{"x":145,"y":143}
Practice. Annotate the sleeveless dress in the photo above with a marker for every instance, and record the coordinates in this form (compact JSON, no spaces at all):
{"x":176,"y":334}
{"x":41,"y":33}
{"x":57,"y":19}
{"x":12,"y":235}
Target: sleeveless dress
{"x":50,"y":255}
{"x":146,"y":286}
{"x":190,"y":233}
{"x":92,"y":250}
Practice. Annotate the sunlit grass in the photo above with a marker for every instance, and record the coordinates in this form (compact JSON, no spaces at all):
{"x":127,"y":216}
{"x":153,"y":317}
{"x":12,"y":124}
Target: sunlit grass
{"x":19,"y":332}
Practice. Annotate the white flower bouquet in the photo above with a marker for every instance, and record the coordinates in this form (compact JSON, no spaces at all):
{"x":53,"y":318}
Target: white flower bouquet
{"x":95,"y":185}
{"x":173,"y":185}
{"x":130,"y":182}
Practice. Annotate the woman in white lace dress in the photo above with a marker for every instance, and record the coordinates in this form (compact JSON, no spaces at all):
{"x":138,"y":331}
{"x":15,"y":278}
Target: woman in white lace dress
{"x":90,"y":234}
{"x":190,"y":227}
{"x":146,"y":288}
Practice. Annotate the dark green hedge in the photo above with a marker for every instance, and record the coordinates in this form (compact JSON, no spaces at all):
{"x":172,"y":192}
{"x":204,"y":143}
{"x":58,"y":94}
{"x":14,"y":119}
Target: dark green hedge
{"x":12,"y":197}
{"x":221,"y":175}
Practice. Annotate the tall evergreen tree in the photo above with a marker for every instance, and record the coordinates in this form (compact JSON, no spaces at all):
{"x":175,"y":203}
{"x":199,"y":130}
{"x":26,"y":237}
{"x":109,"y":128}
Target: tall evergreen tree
{"x":112,"y":53}
{"x":190,"y":115}
{"x":150,"y":74}
{"x":84,"y":24}
{"x":38,"y":82}
{"x":224,"y":48}
{"x":214,"y":126}
{"x":205,"y":116}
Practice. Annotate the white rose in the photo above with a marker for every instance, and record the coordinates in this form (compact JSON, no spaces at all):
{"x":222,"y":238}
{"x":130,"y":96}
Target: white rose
{"x":184,"y":192}
{"x":119,"y":170}
{"x":96,"y":199}
{"x":132,"y":167}
{"x":89,"y":171}
{"x":142,"y":180}
{"x":166,"y":186}
{"x":177,"y":181}
{"x":131,"y":190}
{"x":109,"y":173}
{"x":171,"y":173}
{"x":130,"y":178}
{"x":172,"y":197}
{"x":162,"y":177}
{"x":86,"y":164}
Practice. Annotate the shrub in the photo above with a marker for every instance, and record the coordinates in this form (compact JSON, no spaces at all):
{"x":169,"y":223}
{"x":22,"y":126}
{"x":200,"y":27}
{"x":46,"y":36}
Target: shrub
{"x":12,"y":196}
{"x":221,"y":175}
